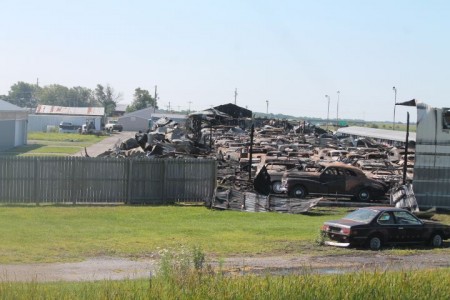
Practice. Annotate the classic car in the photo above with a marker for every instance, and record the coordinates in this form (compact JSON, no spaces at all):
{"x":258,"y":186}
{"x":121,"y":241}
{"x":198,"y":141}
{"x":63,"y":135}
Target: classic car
{"x":377,"y":226}
{"x":337,"y":180}
{"x":276,"y":170}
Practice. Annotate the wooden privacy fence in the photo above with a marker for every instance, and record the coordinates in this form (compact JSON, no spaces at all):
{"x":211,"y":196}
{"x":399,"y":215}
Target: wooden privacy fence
{"x":105,"y":180}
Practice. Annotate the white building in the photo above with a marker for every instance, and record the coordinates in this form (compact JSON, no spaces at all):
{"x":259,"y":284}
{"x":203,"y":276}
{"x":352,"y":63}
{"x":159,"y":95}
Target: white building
{"x":49,"y":115}
{"x":13,"y":125}
{"x":143,"y":119}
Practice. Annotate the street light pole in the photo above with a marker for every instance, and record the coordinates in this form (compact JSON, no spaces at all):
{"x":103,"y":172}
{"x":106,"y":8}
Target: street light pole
{"x":395,"y":104}
{"x":328,"y":112}
{"x":267,"y":107}
{"x":337,"y":110}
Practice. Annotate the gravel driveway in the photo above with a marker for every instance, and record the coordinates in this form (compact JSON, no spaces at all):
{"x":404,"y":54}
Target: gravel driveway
{"x":109,"y":143}
{"x":110,"y":268}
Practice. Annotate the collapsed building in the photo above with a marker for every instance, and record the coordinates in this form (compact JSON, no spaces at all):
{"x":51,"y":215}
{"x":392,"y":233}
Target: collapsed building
{"x":251,"y":160}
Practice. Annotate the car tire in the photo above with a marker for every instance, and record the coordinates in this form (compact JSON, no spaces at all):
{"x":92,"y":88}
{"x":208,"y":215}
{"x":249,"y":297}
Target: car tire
{"x":363,"y":195}
{"x":436,"y":240}
{"x":276,"y":187}
{"x":374,"y":243}
{"x":298,"y":191}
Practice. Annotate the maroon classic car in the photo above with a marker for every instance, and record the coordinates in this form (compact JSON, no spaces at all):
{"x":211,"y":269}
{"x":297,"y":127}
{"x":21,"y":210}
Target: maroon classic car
{"x":377,"y":226}
{"x":337,"y":180}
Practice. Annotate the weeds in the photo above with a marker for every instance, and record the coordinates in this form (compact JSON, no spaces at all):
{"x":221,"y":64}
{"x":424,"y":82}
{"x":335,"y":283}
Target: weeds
{"x":320,"y":238}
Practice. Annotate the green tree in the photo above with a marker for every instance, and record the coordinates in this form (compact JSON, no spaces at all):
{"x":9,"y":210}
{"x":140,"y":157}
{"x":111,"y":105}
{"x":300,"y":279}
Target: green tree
{"x":22,"y":94}
{"x":83,"y":97}
{"x":142,"y":99}
{"x":56,"y":94}
{"x":107,"y":98}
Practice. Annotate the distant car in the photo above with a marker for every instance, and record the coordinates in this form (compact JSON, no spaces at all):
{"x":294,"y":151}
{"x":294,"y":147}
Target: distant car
{"x":113,"y":125}
{"x":68,"y":127}
{"x":337,"y":180}
{"x":377,"y":226}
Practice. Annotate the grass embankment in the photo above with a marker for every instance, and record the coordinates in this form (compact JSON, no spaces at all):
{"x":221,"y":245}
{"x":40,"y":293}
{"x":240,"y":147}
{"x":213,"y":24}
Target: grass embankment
{"x":55,"y":234}
{"x":54,"y":144}
{"x":387,"y":285}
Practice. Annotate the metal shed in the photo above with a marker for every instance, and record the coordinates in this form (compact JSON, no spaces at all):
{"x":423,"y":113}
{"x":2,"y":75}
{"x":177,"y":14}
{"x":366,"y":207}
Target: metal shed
{"x":431,"y":183}
{"x":13,"y":125}
{"x":143,"y":119}
{"x":49,"y":115}
{"x":381,"y":135}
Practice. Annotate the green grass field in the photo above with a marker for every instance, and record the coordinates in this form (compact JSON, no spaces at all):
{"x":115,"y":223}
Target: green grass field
{"x":76,"y":233}
{"x":54,"y":234}
{"x":60,"y":234}
{"x":53,"y":144}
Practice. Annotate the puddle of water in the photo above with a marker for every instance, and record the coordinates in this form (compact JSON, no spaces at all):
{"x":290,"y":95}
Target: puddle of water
{"x":297,"y":271}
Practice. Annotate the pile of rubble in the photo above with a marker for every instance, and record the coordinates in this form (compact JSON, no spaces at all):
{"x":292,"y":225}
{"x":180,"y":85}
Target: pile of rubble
{"x":166,"y":139}
{"x":274,"y":146}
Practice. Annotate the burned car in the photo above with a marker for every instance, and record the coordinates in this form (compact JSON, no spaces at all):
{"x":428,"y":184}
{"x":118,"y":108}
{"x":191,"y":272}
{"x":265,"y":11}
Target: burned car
{"x":337,"y":180}
{"x":276,"y":169}
{"x":377,"y":226}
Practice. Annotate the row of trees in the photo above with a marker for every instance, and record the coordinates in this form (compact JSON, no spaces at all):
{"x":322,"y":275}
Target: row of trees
{"x":30,"y":95}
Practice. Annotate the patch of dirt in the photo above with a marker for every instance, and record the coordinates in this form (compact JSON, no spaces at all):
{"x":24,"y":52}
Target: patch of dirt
{"x":111,"y":268}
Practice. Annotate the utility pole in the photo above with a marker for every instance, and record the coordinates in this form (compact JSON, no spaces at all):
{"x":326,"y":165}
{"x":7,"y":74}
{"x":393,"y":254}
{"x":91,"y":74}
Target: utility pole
{"x":156,"y":97}
{"x":328,"y":112}
{"x":267,"y":107}
{"x":395,"y":104}
{"x":337,"y":111}
{"x":235,"y":96}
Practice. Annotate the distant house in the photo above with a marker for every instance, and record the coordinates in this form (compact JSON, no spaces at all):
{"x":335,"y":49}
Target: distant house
{"x":119,"y":111}
{"x":13,"y":125}
{"x":49,"y":116}
{"x":144,"y":119}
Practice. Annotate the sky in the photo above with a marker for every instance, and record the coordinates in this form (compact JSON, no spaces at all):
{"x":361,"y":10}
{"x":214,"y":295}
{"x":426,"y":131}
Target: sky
{"x":289,"y":53}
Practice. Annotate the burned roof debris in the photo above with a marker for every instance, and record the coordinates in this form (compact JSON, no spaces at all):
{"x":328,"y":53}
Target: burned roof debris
{"x":254,"y":170}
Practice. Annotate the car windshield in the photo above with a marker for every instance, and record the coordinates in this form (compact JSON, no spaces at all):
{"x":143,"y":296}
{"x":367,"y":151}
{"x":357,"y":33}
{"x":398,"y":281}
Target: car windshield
{"x":362,"y":215}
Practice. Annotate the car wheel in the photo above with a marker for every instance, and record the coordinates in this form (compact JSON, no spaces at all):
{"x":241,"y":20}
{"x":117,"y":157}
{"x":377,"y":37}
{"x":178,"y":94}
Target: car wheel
{"x":363,"y":195}
{"x":298,"y":192}
{"x":375,"y":243}
{"x":436,"y":240}
{"x":276,"y":187}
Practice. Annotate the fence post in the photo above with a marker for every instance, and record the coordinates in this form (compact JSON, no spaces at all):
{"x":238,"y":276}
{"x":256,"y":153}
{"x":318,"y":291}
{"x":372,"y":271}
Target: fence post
{"x":73,"y":183}
{"x":164,"y":185}
{"x":130,"y":172}
{"x":36,"y":185}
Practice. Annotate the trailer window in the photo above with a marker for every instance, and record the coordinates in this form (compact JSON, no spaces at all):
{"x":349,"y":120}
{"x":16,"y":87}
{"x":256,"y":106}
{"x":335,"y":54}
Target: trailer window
{"x":445,"y":118}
